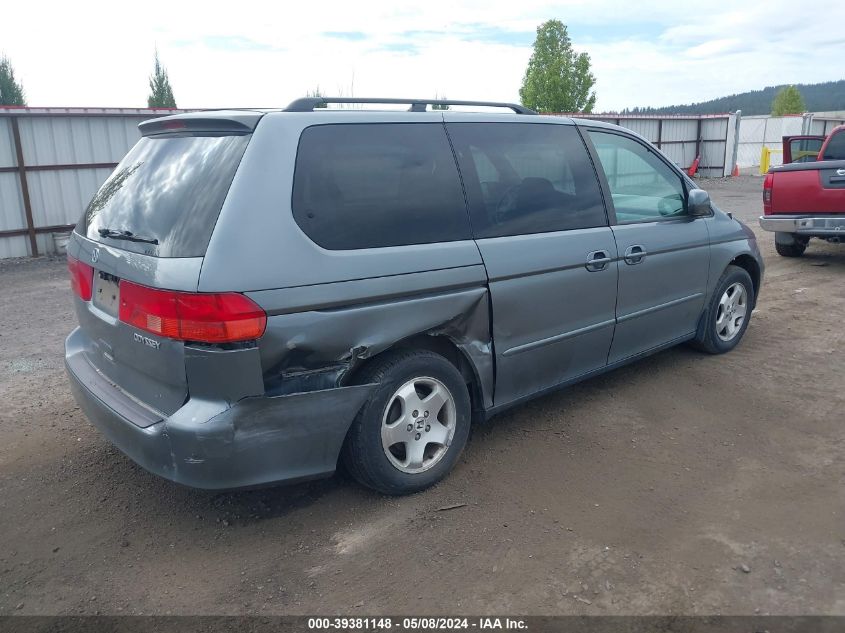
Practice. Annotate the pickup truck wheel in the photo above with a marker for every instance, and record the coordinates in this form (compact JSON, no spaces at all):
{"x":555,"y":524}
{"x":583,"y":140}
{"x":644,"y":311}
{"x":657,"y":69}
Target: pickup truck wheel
{"x":728,"y":314}
{"x":795,"y":249}
{"x":411,"y":431}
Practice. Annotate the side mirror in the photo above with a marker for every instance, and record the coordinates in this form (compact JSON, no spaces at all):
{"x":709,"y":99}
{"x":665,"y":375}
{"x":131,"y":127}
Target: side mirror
{"x":698,"y":204}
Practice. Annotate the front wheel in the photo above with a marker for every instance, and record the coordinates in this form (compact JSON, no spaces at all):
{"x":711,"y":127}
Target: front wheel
{"x":411,"y":431}
{"x":728,"y":314}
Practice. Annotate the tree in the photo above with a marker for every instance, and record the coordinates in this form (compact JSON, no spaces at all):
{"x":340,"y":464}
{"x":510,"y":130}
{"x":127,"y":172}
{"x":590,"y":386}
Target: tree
{"x":161,"y":94}
{"x":440,"y":106}
{"x":11,"y":91}
{"x":316,"y":93}
{"x":788,"y":101}
{"x":557,"y":78}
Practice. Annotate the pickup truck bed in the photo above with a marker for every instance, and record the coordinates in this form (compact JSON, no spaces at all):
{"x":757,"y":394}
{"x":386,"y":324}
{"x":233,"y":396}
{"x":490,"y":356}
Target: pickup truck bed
{"x":805,"y":200}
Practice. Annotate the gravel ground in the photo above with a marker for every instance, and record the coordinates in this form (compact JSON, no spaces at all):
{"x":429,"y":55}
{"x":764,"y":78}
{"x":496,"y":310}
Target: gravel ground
{"x":683,"y":484}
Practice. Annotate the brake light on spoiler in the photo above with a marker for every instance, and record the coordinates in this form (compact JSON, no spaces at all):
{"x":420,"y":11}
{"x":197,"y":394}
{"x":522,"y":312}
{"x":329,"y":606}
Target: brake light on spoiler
{"x":224,"y":317}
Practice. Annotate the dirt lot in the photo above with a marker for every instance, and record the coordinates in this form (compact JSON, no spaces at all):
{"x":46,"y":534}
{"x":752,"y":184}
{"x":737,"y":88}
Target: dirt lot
{"x":684,"y":484}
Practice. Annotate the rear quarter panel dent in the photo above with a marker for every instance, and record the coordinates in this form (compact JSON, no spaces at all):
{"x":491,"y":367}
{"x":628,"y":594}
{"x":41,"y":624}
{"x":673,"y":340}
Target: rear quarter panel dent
{"x":336,"y":341}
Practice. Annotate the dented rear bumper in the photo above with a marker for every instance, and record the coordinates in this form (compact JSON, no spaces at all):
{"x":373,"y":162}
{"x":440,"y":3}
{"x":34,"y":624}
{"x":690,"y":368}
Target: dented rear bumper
{"x":215,"y":445}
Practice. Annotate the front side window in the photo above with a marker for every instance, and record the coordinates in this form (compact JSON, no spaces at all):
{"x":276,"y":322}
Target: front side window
{"x":524,"y":178}
{"x":375,"y":185}
{"x":643,"y":187}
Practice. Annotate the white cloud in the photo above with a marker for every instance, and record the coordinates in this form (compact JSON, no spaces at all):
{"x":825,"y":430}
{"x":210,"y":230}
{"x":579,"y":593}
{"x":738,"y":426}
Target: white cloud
{"x":265,"y":54}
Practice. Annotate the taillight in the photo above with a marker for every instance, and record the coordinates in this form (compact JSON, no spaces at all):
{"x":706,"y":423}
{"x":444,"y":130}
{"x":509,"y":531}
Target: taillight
{"x":81,"y":278}
{"x":210,"y":318}
{"x":767,"y":193}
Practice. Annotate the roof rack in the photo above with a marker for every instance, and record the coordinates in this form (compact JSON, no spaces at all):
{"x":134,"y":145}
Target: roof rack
{"x":307,"y":104}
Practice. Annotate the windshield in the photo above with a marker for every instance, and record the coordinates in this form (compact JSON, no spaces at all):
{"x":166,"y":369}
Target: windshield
{"x":168,"y":192}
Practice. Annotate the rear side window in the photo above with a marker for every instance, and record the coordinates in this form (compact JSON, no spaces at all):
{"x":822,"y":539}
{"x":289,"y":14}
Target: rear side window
{"x":835,"y":149}
{"x":375,"y":185}
{"x":167,"y":190}
{"x":526,"y":178}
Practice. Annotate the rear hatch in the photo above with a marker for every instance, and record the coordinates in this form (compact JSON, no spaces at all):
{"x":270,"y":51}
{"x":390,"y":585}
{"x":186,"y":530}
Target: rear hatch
{"x":136,"y":255}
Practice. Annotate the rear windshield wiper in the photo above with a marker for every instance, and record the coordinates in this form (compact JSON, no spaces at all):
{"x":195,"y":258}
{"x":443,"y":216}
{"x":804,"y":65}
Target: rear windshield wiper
{"x":125,"y":235}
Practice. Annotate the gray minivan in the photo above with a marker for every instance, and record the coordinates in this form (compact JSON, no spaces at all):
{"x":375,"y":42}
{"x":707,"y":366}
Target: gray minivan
{"x":261,"y":294}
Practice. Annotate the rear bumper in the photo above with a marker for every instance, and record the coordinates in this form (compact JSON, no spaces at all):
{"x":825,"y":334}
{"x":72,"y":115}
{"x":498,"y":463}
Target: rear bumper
{"x":214,"y":445}
{"x":812,"y":226}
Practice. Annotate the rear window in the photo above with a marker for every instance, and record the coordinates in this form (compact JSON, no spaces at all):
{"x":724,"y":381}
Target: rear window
{"x":524,"y":178}
{"x":375,"y":185}
{"x":168,"y":192}
{"x":835,"y":149}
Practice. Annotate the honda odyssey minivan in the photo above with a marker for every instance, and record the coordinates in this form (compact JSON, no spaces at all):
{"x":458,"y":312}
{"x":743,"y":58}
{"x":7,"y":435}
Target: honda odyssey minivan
{"x":264,"y":294}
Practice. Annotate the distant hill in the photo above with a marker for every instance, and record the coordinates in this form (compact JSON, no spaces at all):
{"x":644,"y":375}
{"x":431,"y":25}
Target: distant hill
{"x":822,"y":97}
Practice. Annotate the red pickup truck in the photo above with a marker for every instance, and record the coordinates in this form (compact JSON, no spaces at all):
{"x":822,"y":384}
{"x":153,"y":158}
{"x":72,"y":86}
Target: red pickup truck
{"x":807,"y":199}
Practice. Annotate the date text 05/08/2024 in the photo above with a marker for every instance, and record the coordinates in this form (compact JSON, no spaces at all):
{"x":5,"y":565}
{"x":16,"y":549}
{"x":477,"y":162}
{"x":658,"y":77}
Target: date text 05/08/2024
{"x":415,"y":623}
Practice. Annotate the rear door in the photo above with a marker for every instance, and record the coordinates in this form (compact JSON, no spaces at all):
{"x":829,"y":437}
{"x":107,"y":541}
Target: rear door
{"x":541,"y":227}
{"x":150,"y":223}
{"x":801,"y":149}
{"x":664,"y":253}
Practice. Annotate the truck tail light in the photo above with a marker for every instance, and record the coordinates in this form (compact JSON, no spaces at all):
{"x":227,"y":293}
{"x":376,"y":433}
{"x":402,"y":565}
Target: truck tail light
{"x":767,"y":193}
{"x":223,"y":317}
{"x":81,"y":278}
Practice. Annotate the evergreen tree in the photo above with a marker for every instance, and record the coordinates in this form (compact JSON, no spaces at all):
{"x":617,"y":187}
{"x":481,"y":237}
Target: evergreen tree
{"x":821,"y":97}
{"x":318,"y":94}
{"x":161,"y":94}
{"x":788,"y":101}
{"x":557,"y":78}
{"x":440,"y":106}
{"x":11,"y":91}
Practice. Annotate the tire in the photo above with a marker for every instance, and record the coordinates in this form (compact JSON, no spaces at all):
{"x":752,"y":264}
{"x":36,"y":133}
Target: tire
{"x":721,"y":331}
{"x":796,"y":249}
{"x":410,"y":464}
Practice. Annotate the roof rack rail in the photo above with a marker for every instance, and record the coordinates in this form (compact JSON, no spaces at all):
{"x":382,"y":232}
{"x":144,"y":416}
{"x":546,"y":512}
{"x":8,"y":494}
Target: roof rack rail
{"x":307,"y":104}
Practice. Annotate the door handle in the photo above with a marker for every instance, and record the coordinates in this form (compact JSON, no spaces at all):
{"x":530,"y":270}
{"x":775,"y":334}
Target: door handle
{"x":635,"y":254}
{"x":597,"y":261}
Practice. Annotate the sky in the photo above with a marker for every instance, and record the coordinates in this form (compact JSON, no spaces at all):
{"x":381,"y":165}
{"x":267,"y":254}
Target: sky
{"x":265,"y":54}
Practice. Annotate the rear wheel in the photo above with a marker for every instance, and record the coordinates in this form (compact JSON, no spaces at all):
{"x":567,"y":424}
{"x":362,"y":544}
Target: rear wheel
{"x":411,"y":431}
{"x":728,"y":314}
{"x":795,"y":249}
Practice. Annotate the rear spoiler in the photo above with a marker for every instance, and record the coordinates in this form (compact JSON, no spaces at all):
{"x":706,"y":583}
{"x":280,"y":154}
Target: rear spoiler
{"x":223,"y":121}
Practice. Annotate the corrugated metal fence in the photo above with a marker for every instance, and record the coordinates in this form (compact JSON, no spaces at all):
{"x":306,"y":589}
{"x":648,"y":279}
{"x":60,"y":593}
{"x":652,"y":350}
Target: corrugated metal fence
{"x":758,"y":131}
{"x":683,"y":138}
{"x":824,"y":122}
{"x":53,"y":160}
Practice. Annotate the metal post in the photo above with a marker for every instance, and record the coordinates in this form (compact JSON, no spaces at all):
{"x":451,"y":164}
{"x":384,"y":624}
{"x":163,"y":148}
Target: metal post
{"x":27,"y":203}
{"x":735,"y":152}
{"x":659,"y":132}
{"x":698,"y":139}
{"x":806,"y":123}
